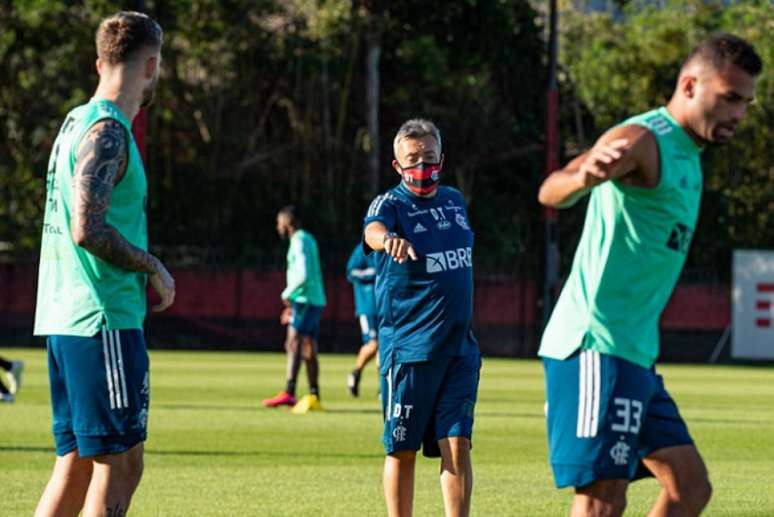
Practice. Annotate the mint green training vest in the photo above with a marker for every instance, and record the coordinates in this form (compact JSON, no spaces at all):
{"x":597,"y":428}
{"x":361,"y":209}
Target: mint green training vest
{"x":304,"y":273}
{"x":630,"y":255}
{"x":79,"y":293}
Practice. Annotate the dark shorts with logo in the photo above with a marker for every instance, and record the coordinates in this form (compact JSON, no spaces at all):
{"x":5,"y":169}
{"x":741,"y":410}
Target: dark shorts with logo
{"x":99,"y":391}
{"x":424,"y":402}
{"x":604,"y":415}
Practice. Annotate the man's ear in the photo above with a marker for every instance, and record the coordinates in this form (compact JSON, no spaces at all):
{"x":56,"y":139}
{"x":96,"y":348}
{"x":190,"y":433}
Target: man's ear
{"x":687,"y":85}
{"x":396,"y":166}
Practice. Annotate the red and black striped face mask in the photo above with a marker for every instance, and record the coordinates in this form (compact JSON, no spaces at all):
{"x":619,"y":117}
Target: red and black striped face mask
{"x":422,"y":178}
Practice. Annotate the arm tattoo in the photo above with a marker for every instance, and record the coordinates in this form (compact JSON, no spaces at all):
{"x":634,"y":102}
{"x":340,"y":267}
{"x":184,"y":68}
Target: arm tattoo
{"x":100,"y":165}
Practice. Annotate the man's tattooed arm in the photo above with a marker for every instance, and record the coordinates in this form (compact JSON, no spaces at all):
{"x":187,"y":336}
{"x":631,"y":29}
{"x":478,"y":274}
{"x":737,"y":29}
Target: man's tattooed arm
{"x":99,"y":166}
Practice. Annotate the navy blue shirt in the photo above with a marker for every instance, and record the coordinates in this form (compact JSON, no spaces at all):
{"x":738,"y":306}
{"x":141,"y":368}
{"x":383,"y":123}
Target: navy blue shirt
{"x":361,"y":272}
{"x":425,"y":306}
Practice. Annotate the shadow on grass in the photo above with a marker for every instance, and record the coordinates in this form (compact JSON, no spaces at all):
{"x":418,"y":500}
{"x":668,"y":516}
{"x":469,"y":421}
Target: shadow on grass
{"x":258,"y":409}
{"x":264,"y":454}
{"x":506,"y":414}
{"x":353,"y":411}
{"x":25,"y":448}
{"x":256,"y":454}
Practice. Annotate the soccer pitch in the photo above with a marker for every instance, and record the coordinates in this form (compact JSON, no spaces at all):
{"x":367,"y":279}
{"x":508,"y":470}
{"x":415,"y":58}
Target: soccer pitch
{"x":213,"y":450}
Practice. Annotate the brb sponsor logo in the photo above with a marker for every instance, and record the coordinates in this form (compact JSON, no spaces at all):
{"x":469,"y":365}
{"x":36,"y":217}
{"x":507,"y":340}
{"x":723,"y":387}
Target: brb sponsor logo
{"x":449,"y":260}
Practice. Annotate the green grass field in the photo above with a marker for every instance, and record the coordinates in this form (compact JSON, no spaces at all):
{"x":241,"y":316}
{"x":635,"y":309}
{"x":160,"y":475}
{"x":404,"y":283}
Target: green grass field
{"x":212,"y":450}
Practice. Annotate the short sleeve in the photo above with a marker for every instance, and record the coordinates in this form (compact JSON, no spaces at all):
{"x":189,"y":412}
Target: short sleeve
{"x":382,"y":209}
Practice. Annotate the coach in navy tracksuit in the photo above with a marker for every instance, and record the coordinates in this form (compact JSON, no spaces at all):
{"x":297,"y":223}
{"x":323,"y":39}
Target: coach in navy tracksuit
{"x":424,"y":293}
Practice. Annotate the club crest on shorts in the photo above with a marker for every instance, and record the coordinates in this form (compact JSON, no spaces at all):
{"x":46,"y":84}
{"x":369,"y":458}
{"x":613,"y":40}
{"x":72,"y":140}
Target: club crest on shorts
{"x":399,"y":433}
{"x":620,"y":452}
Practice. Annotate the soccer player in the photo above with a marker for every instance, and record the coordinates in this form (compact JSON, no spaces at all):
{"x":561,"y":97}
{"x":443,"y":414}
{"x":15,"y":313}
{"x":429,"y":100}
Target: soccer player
{"x":429,"y":358}
{"x":610,"y":419}
{"x":13,"y":374}
{"x":94,"y":265}
{"x":361,"y":274}
{"x":304,"y":299}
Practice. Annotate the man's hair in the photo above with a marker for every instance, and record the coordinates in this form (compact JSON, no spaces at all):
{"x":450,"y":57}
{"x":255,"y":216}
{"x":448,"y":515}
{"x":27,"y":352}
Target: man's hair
{"x":723,"y":48}
{"x":293,"y":215}
{"x":120,"y":37}
{"x":416,"y":128}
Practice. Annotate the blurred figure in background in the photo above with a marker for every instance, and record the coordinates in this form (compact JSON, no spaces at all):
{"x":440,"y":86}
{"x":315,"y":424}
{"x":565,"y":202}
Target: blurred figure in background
{"x":362,"y":275}
{"x":13,"y":374}
{"x":304,"y":299}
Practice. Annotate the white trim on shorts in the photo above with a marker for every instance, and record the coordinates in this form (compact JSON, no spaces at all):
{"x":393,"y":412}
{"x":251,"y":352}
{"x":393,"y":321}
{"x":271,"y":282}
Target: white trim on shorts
{"x":114,"y":369}
{"x":388,"y":412}
{"x":588,"y":394}
{"x":365,"y":328}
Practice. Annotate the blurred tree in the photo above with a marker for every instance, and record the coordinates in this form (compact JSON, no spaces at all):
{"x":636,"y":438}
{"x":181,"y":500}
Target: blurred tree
{"x":619,"y":67}
{"x":264,"y":102}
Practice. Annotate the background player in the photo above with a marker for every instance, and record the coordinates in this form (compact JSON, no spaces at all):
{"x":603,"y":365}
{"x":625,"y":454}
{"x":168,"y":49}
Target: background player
{"x":429,"y":358}
{"x":94,"y":265}
{"x":362,"y":274}
{"x":608,"y":412}
{"x":13,"y":374}
{"x":304,"y":299}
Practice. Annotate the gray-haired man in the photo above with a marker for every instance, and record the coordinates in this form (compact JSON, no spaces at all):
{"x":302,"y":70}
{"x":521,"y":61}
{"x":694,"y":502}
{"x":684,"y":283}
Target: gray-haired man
{"x":429,"y":358}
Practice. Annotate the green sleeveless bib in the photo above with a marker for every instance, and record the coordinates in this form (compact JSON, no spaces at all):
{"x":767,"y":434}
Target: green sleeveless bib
{"x":78,"y":293}
{"x":630,"y":255}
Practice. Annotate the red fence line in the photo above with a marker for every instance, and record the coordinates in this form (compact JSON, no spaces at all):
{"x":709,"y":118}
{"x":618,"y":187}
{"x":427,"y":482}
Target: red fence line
{"x":255,"y":295}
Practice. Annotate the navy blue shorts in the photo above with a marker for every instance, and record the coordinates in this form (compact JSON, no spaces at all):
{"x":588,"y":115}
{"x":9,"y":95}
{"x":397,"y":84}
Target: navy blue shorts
{"x":305,"y":318}
{"x":425,"y":402}
{"x":367,"y":327}
{"x":604,"y":415}
{"x":99,"y":391}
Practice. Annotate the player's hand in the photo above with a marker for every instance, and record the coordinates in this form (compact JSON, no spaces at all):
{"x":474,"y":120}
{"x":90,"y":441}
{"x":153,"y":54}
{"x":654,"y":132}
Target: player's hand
{"x":163,"y":283}
{"x":597,"y":166}
{"x":400,"y":249}
{"x":285,"y":315}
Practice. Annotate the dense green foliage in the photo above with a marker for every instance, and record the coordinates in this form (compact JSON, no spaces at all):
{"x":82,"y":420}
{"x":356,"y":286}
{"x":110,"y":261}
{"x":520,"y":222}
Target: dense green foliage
{"x":213,"y":451}
{"x":263,"y":103}
{"x":618,"y":67}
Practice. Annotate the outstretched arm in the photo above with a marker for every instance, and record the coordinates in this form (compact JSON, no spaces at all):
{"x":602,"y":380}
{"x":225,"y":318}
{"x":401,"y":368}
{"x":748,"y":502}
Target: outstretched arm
{"x":379,"y":239}
{"x":623,"y":152}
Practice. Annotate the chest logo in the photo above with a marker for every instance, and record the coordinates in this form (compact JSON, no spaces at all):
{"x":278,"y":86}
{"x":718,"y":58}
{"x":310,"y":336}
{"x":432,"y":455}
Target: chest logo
{"x":680,"y":238}
{"x":449,"y":260}
{"x":419,"y":228}
{"x":460,"y":219}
